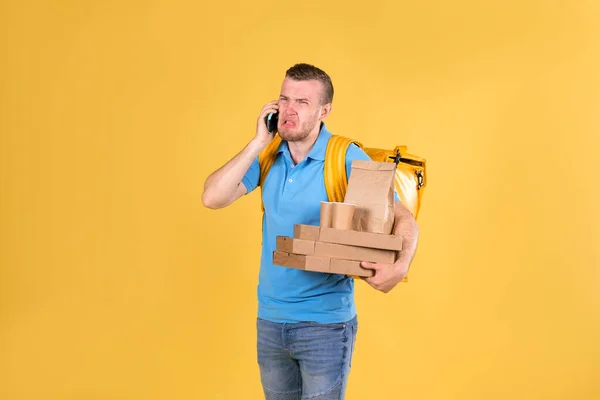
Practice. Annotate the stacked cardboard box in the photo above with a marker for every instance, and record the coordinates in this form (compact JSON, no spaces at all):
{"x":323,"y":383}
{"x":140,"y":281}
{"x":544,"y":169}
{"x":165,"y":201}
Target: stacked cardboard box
{"x":330,"y":250}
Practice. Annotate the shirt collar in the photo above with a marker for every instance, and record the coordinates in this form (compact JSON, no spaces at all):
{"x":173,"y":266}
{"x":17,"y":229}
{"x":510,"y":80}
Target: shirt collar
{"x":318,"y":150}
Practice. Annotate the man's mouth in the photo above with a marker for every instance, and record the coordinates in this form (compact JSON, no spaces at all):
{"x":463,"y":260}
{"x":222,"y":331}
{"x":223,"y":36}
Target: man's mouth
{"x":289,"y":123}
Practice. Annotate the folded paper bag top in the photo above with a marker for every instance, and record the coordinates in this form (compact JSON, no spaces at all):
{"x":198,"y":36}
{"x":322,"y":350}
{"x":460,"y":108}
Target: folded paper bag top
{"x":371,"y":189}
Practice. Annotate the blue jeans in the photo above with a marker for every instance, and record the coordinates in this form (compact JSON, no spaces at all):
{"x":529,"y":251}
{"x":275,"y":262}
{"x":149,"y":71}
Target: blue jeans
{"x":306,"y":360}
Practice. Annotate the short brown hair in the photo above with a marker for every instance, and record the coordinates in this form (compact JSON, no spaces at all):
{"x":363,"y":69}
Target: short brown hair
{"x":306,"y":72}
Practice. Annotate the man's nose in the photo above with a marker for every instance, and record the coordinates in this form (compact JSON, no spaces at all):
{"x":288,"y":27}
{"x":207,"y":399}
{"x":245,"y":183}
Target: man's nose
{"x":289,"y":109}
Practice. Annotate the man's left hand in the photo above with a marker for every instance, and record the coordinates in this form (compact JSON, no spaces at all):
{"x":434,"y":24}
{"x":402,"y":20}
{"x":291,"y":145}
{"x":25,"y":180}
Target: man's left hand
{"x":386,"y":276}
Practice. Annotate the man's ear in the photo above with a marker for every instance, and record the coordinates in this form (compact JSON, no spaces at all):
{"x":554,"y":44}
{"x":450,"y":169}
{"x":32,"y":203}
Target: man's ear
{"x":326,"y":110}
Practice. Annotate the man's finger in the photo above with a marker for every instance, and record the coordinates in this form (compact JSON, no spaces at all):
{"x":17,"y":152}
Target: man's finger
{"x":371,"y":283}
{"x":370,"y":265}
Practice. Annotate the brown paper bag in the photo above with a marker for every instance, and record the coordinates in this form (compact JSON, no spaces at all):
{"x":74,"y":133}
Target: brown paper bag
{"x":371,"y":189}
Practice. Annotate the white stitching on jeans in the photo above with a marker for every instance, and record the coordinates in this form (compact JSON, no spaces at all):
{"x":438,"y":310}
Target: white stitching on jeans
{"x":336,"y":386}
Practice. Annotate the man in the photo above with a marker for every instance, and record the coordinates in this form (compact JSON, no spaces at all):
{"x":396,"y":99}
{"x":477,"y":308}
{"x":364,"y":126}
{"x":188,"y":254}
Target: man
{"x":307,"y":321}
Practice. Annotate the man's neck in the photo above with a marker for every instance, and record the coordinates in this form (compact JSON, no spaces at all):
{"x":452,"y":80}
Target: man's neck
{"x":300,"y":149}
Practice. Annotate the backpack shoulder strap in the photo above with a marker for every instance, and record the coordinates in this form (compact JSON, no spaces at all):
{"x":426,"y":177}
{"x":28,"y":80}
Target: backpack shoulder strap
{"x":336,"y":180}
{"x":266,"y":158}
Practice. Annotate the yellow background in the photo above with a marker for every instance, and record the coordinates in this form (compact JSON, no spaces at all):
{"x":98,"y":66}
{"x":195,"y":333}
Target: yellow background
{"x":115,"y":282}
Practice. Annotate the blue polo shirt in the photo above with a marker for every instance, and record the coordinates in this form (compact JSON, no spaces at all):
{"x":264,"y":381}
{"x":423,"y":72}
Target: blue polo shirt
{"x":292,"y":194}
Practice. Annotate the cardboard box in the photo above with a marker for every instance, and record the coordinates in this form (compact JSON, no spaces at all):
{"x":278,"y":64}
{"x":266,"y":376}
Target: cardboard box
{"x":349,"y":267}
{"x":320,"y":264}
{"x":297,"y":246}
{"x":362,"y":239}
{"x":346,"y":252}
{"x":306,"y":232}
{"x":299,"y":261}
{"x":349,"y":237}
{"x":353,"y":268}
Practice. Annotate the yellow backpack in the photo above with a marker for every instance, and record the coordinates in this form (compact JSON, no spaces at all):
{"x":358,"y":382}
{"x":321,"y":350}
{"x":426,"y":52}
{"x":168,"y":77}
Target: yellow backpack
{"x":410,"y":180}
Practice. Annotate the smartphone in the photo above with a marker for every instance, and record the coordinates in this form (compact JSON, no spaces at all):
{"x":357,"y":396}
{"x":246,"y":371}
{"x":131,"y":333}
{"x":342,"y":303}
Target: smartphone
{"x":271,"y":121}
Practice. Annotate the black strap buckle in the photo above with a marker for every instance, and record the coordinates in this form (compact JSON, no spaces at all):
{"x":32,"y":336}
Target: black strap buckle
{"x":420,"y":182}
{"x":397,"y":158}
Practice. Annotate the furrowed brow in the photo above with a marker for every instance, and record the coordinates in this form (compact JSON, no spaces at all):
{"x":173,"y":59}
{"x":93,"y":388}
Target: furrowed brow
{"x":298,"y":99}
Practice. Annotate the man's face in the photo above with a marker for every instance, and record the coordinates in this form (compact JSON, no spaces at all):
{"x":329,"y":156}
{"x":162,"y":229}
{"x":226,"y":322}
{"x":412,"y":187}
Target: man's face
{"x":300,"y":108}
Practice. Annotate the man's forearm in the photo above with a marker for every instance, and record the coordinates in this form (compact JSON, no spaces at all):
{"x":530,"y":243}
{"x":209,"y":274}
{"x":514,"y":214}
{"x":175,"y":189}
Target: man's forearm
{"x":222,"y":184}
{"x":386,"y":277}
{"x":406,"y":227}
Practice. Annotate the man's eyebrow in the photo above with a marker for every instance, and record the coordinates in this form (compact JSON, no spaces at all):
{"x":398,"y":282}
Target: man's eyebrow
{"x":298,"y":99}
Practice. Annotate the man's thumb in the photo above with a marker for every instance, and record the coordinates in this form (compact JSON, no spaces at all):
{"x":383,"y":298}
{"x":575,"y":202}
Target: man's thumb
{"x":370,"y":265}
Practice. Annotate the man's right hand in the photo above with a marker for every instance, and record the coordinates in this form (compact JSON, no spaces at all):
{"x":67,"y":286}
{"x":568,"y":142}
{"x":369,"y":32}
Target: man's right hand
{"x":263,"y":137}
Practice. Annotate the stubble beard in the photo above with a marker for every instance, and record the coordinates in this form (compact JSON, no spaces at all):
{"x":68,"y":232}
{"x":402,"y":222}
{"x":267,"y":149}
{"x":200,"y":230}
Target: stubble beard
{"x":306,"y":128}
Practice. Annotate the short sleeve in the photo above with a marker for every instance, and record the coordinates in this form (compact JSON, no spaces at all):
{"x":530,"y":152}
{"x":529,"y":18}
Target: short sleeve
{"x":250,"y":180}
{"x":356,"y":153}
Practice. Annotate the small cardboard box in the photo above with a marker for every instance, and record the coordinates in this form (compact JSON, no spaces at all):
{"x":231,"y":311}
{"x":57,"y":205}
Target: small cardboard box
{"x":320,"y":264}
{"x":355,"y":253}
{"x":296,"y":246}
{"x":349,"y":267}
{"x":306,"y":232}
{"x":349,"y":237}
{"x":362,"y":239}
{"x":300,"y":261}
